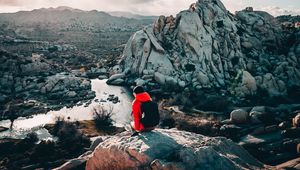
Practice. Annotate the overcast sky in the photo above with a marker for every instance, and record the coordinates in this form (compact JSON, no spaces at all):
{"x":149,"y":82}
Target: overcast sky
{"x":150,"y":7}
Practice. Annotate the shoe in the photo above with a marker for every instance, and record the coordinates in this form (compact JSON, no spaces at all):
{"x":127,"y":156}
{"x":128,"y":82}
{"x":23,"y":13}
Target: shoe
{"x":135,"y":134}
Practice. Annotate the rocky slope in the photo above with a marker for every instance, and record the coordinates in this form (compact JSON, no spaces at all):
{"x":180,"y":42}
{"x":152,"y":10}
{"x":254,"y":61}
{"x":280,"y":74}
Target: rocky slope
{"x":32,"y":84}
{"x":206,"y":47}
{"x":169,"y":149}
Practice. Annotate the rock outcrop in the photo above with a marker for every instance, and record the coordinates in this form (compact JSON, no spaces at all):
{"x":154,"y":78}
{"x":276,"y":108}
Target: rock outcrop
{"x":208,"y":47}
{"x":169,"y":149}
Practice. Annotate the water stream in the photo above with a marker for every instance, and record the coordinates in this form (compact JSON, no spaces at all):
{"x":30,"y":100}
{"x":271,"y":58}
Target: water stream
{"x":35,"y":123}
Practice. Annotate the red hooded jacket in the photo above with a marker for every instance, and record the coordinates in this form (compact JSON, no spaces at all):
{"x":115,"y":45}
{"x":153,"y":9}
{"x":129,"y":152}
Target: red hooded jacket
{"x":136,"y":110}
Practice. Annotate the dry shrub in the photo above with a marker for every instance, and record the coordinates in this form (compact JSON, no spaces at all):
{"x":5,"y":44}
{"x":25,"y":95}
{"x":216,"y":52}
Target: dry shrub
{"x":103,"y":117}
{"x":69,"y":137}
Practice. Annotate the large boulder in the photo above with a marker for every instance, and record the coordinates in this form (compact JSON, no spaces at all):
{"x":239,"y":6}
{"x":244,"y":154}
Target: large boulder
{"x":247,"y":85}
{"x":239,"y":116}
{"x":170,"y":149}
{"x":191,"y":44}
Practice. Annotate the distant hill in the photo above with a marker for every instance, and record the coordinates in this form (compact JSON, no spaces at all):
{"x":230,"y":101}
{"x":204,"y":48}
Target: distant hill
{"x":130,"y":15}
{"x":95,"y":31}
{"x":68,"y":18}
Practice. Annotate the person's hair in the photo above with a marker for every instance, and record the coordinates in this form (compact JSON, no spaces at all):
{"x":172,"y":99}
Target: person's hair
{"x":138,"y":89}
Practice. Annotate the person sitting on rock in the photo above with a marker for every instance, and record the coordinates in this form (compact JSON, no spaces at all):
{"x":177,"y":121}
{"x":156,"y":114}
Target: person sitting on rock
{"x":144,"y":111}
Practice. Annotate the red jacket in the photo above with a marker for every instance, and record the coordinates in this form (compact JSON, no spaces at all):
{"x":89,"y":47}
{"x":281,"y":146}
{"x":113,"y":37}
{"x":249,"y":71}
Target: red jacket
{"x":136,"y":110}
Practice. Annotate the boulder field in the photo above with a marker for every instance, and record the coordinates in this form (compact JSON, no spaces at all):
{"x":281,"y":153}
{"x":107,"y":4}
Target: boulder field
{"x":32,"y":84}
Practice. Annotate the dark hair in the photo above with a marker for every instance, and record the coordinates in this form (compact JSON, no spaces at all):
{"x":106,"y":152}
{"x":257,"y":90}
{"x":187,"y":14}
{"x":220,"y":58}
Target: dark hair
{"x":138,"y":89}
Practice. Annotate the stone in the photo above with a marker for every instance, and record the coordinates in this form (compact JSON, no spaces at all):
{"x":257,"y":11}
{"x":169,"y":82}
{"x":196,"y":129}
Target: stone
{"x":96,"y":141}
{"x":102,"y":71}
{"x":230,"y":131}
{"x":171,"y":82}
{"x":115,"y":70}
{"x":249,"y":82}
{"x":284,"y":125}
{"x":247,"y":87}
{"x":116,"y":79}
{"x":139,"y":82}
{"x":181,"y":84}
{"x":71,"y":94}
{"x":255,"y":117}
{"x":153,"y":40}
{"x":256,"y":140}
{"x":296,"y":120}
{"x":76,"y":162}
{"x":160,"y":78}
{"x":71,"y":164}
{"x":169,"y":147}
{"x":292,"y":164}
{"x":239,"y":116}
{"x":261,"y":114}
{"x":102,"y":77}
{"x":203,"y":79}
{"x":261,"y":109}
{"x":247,"y":45}
{"x":2,"y":129}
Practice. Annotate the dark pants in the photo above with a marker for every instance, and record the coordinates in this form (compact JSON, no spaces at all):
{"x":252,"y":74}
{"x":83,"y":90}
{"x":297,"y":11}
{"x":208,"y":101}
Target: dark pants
{"x":148,"y":129}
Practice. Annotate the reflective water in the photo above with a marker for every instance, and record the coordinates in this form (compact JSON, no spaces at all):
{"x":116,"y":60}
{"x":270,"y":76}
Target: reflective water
{"x":122,"y":110}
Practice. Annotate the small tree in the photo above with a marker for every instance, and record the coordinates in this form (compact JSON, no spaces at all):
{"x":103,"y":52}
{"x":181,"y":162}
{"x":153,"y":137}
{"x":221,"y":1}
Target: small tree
{"x":102,"y":117}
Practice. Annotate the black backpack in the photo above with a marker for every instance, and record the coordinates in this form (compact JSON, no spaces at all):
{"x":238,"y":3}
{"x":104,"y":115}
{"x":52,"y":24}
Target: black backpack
{"x":150,"y":114}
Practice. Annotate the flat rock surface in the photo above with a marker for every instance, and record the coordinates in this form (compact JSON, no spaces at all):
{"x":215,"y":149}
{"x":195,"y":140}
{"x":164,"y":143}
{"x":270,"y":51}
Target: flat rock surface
{"x":293,"y":164}
{"x":260,"y":139}
{"x":170,"y":149}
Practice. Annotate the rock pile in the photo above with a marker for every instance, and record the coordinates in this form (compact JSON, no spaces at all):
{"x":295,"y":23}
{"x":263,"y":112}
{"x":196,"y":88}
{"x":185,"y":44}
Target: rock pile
{"x":169,"y":149}
{"x":271,"y":134}
{"x":206,"y":47}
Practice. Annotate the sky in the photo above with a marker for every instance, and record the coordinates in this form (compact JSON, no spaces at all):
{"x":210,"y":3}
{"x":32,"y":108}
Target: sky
{"x":151,"y":7}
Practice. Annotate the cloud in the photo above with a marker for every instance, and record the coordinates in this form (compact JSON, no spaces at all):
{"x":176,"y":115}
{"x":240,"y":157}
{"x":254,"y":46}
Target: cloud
{"x":233,"y":6}
{"x":276,"y":11}
{"x":145,"y":7}
{"x":150,"y":7}
{"x":141,"y":1}
{"x":275,"y":8}
{"x":10,"y":2}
